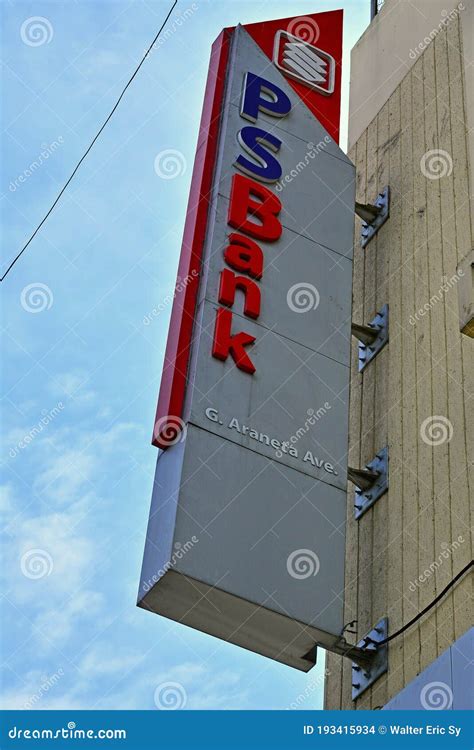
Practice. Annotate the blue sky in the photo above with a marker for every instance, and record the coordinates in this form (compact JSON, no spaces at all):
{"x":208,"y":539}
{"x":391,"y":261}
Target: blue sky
{"x":82,"y":359}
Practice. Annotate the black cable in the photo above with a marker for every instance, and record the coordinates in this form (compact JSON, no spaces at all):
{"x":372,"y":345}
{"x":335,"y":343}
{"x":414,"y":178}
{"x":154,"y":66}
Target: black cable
{"x":91,"y":144}
{"x":346,"y":627}
{"x":426,"y":609}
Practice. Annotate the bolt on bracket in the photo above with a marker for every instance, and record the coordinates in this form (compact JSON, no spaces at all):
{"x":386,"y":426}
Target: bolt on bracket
{"x":371,"y":482}
{"x":369,"y":660}
{"x":372,"y":337}
{"x":373,"y":215}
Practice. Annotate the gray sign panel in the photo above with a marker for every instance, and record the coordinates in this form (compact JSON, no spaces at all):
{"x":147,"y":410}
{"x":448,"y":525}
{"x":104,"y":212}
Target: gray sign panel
{"x":246,"y":531}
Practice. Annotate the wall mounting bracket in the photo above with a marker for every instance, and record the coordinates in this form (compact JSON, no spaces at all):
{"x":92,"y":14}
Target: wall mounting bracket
{"x":372,"y":337}
{"x":369,"y":660}
{"x":371,"y":482}
{"x":373,"y":215}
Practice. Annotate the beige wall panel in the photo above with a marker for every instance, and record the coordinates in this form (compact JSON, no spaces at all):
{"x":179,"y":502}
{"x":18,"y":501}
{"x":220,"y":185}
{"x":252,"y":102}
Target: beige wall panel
{"x":393,"y":500}
{"x":367,"y":442}
{"x":462,"y":494}
{"x":442,"y":521}
{"x":455,"y":493}
{"x":464,"y":241}
{"x":395,"y":38}
{"x":407,"y":590}
{"x":425,"y":375}
{"x":423,"y":364}
{"x":385,"y":145}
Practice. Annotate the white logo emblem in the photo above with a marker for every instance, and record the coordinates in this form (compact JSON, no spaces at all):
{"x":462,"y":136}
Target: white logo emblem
{"x":303,"y":62}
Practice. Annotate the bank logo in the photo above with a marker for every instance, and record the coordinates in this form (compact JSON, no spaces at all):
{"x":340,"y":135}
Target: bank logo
{"x":304,"y":62}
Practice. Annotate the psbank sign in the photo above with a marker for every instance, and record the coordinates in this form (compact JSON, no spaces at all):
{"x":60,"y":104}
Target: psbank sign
{"x":253,"y":406}
{"x":253,"y":211}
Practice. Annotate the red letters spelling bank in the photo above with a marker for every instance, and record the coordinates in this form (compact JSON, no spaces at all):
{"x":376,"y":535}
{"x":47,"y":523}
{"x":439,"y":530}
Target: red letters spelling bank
{"x":306,"y":52}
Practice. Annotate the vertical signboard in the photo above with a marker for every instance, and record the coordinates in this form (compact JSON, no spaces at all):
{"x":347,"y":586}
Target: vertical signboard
{"x":246,"y":532}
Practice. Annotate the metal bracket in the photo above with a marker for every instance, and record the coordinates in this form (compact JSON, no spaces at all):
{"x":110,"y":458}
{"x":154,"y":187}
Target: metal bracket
{"x":372,"y":338}
{"x":365,"y":671}
{"x":371,"y":482}
{"x":373,"y":215}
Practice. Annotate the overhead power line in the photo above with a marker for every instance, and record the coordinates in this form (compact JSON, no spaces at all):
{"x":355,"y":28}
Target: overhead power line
{"x":429,"y":606}
{"x":411,"y":622}
{"x":20,"y":253}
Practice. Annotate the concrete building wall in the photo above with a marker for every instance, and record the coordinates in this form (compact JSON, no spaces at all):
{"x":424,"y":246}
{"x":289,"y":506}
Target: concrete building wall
{"x":416,"y":396}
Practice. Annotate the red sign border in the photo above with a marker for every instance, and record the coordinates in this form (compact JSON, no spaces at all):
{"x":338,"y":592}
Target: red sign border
{"x":177,"y":355}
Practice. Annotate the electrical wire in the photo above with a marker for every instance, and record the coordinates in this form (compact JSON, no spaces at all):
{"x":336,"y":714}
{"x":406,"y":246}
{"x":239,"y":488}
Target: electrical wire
{"x":426,"y":609}
{"x":91,"y":144}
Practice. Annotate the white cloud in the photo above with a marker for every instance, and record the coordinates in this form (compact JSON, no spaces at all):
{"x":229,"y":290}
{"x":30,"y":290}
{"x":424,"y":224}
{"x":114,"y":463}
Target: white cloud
{"x":39,"y":691}
{"x":68,"y":382}
{"x":105,"y":658}
{"x":77,"y":466}
{"x":69,"y":555}
{"x":6,"y":499}
{"x":58,"y":624}
{"x":205,"y":687}
{"x":60,"y":531}
{"x":66,"y":475}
